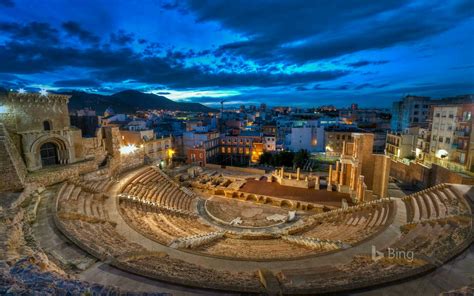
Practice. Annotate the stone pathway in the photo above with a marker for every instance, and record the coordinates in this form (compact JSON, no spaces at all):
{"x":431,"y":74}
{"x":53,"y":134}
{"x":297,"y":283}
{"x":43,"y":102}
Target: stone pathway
{"x":455,"y":274}
{"x":52,"y":241}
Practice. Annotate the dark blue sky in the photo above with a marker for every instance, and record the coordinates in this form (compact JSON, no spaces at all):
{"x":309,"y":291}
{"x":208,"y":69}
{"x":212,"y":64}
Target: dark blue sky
{"x":279,"y":52}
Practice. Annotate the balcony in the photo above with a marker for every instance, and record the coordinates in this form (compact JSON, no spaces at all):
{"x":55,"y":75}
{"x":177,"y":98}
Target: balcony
{"x":460,"y":146}
{"x":461,"y":133}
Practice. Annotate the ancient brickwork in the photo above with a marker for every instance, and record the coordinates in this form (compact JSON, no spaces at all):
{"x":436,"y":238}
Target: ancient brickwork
{"x":13,"y":168}
{"x":360,"y":172}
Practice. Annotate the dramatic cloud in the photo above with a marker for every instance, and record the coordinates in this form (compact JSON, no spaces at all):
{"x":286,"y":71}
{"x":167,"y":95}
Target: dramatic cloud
{"x":363,"y":63}
{"x":298,"y":32}
{"x":121,"y":37}
{"x":31,"y":32}
{"x":310,"y":52}
{"x":74,"y":29}
{"x":7,"y":3}
{"x":77,"y":82}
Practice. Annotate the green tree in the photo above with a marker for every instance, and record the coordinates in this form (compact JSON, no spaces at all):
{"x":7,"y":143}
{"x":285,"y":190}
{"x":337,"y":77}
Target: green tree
{"x":285,"y":158}
{"x":301,"y":157}
{"x":266,"y":158}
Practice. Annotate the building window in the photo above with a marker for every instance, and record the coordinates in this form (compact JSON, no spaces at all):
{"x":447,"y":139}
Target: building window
{"x":448,"y":141}
{"x":46,"y":125}
{"x":441,"y":139}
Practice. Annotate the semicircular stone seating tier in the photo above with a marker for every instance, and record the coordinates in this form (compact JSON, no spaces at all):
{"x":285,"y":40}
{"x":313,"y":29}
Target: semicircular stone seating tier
{"x":435,"y":224}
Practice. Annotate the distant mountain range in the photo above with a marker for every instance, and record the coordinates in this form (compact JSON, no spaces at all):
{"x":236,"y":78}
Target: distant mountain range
{"x":129,"y":101}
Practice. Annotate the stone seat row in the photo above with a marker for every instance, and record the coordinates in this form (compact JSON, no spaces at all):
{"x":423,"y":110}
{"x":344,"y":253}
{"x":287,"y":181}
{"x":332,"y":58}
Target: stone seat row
{"x":435,"y":202}
{"x":74,"y":199}
{"x":152,"y":185}
{"x":97,"y":186}
{"x":164,"y":227}
{"x":255,"y":249}
{"x":351,"y":227}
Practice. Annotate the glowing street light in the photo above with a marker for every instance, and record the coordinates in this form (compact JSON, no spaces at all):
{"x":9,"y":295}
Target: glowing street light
{"x":130,"y":148}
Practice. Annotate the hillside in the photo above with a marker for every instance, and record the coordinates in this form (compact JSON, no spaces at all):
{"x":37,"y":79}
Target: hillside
{"x":129,"y":101}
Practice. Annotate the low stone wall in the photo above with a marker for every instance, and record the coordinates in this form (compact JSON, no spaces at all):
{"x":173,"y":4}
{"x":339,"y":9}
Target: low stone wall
{"x":413,"y":173}
{"x":52,"y":176}
{"x":302,"y":183}
{"x":440,"y":175}
{"x":423,"y":177}
{"x":13,"y":168}
{"x":236,"y":169}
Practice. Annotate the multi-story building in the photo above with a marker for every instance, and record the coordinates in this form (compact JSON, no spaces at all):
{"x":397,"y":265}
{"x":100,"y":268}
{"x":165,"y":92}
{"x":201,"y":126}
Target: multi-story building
{"x":416,"y":111}
{"x":159,"y":150}
{"x":243,"y":149}
{"x":336,"y":136}
{"x":207,"y":151}
{"x":451,"y":136}
{"x":194,"y":139}
{"x":86,"y":120}
{"x":310,"y":138}
{"x":422,"y":149}
{"x":410,"y":111}
{"x":401,"y":145}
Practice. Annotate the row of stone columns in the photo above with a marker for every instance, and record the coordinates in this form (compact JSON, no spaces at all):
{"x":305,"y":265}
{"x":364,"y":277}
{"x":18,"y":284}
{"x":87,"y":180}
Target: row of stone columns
{"x":317,"y":179}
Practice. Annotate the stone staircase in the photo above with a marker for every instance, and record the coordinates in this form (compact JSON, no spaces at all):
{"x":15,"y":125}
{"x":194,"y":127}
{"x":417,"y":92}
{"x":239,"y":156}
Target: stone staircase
{"x":194,"y":241}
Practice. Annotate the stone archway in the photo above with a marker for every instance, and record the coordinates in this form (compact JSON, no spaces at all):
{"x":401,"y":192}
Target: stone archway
{"x":47,"y":150}
{"x":251,"y":197}
{"x":286,"y":204}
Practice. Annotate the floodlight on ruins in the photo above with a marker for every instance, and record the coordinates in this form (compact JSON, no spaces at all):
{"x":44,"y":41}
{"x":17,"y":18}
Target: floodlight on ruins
{"x":130,"y":148}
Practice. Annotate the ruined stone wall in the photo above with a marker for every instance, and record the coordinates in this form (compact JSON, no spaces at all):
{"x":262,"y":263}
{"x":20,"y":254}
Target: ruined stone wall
{"x":93,"y":148}
{"x":366,"y":158}
{"x":31,"y":110}
{"x":125,"y":162}
{"x":60,"y":174}
{"x":440,"y":175}
{"x":381,"y":171}
{"x":237,"y":169}
{"x":112,"y":140}
{"x":421,"y":176}
{"x":11,"y":164}
{"x":413,"y":173}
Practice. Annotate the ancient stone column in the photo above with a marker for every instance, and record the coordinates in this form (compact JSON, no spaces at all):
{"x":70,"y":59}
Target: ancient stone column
{"x":341,"y":175}
{"x":343,"y":148}
{"x":297,"y":173}
{"x":360,"y":193}
{"x":316,"y":183}
{"x":352,"y":181}
{"x":329,"y":179}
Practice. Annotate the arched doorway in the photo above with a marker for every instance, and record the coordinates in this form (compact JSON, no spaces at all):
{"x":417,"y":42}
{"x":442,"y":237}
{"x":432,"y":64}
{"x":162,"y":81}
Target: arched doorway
{"x":49,"y":154}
